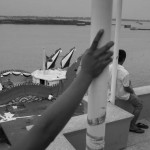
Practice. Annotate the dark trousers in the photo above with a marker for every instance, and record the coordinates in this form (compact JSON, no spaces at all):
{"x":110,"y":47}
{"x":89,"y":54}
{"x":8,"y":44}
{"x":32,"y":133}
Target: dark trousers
{"x":137,"y":107}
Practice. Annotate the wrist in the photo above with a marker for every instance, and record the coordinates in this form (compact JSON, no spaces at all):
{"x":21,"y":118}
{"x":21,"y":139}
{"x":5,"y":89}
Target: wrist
{"x":86,"y":76}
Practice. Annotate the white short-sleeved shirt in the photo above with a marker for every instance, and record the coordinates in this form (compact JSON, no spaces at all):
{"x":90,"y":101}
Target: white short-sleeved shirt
{"x":1,"y":87}
{"x":121,"y":82}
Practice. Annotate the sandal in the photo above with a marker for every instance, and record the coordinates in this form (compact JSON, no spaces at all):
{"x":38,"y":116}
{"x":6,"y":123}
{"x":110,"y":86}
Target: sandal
{"x":136,"y":130}
{"x":141,"y":125}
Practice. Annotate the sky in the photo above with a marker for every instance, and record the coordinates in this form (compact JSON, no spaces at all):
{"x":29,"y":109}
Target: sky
{"x":132,"y":9}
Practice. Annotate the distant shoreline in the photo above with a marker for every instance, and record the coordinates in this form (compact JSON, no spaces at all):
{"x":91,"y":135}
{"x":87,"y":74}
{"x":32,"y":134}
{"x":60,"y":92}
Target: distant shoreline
{"x":51,"y":20}
{"x":43,"y":20}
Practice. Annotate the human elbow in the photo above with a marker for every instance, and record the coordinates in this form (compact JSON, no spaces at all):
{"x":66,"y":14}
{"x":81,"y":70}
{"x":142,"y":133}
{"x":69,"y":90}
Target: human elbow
{"x":127,"y":89}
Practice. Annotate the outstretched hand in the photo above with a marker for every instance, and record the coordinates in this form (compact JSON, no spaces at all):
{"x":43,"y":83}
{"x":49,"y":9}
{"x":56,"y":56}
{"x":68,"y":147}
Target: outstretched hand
{"x":96,"y":59}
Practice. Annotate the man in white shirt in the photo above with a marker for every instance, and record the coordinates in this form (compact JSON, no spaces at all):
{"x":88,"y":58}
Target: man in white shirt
{"x":124,"y":91}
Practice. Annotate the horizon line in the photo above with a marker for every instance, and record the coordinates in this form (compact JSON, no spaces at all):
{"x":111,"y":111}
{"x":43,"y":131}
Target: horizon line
{"x":69,"y":17}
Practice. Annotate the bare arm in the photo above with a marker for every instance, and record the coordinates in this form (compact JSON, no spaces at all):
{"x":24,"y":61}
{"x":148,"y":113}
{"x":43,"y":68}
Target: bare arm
{"x":57,"y":115}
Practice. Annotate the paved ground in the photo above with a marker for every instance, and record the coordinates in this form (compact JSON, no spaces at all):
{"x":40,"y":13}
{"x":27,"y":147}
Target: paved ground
{"x":35,"y":108}
{"x":139,"y":141}
{"x":4,"y":146}
{"x":135,"y":141}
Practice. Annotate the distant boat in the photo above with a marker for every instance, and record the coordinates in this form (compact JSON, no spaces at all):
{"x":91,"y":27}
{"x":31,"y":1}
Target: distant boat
{"x":81,"y":24}
{"x":144,"y":28}
{"x":127,"y":26}
{"x":139,"y":22}
{"x":133,"y":28}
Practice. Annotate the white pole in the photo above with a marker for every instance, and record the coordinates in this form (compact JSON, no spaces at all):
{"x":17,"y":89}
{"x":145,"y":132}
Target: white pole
{"x":101,"y":18}
{"x":116,"y":49}
{"x":44,"y":60}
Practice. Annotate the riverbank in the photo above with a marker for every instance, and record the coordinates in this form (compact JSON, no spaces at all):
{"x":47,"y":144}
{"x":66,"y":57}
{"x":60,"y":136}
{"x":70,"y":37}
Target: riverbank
{"x":81,"y":21}
{"x":44,"y":20}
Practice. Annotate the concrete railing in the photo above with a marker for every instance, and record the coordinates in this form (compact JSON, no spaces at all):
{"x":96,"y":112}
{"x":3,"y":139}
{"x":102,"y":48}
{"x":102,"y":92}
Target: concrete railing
{"x":73,"y":136}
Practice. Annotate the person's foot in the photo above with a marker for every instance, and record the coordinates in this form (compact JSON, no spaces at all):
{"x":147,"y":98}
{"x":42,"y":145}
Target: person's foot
{"x":141,"y":125}
{"x":136,"y":130}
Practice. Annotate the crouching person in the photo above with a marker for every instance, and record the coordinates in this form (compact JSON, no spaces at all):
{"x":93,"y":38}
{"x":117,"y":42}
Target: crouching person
{"x":124,"y":91}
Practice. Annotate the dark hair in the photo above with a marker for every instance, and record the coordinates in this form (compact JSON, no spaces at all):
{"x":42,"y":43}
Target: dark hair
{"x":122,"y":55}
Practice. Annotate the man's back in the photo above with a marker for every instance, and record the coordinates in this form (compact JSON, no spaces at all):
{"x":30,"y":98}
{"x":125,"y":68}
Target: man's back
{"x":121,"y":82}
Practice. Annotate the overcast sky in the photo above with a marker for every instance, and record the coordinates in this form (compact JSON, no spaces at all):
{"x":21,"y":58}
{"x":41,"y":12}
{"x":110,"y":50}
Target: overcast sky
{"x":134,"y":9}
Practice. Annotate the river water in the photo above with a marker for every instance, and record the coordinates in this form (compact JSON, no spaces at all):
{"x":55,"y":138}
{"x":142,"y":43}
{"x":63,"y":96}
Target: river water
{"x":21,"y":47}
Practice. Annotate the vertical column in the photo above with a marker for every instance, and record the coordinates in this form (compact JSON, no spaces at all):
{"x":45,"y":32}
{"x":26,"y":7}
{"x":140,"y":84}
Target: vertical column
{"x":44,"y":60}
{"x":101,"y":18}
{"x":116,"y":49}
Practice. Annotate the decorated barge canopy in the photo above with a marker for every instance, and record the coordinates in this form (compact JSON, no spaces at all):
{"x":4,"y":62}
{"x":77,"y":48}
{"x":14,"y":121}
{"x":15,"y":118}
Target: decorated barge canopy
{"x":49,"y":75}
{"x":16,"y":73}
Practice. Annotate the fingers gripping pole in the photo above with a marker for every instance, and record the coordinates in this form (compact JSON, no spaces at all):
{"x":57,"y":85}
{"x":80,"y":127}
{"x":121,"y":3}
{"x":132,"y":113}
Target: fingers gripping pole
{"x":101,"y":18}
